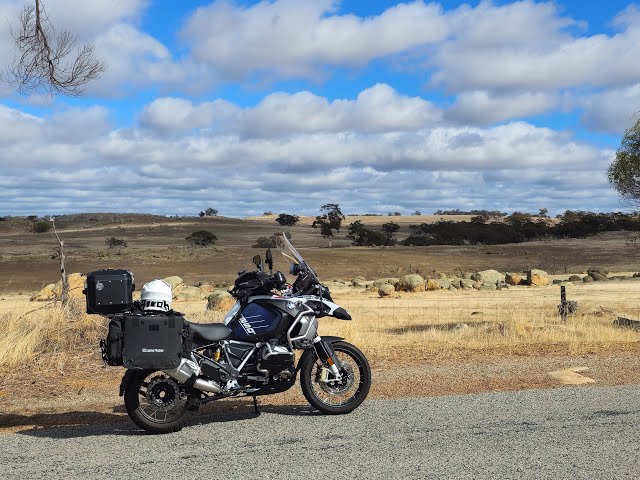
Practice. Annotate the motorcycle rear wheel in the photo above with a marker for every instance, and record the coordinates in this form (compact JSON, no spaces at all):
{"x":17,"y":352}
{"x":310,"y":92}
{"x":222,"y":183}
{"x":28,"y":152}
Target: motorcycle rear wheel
{"x":157,"y":403}
{"x":336,"y":397}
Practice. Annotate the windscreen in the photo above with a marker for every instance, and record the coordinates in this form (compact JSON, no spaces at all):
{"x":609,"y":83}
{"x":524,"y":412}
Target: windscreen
{"x":292,"y":255}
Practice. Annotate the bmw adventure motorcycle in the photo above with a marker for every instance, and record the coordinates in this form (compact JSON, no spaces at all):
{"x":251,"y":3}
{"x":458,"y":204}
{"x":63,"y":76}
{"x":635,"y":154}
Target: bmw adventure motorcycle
{"x":253,"y":353}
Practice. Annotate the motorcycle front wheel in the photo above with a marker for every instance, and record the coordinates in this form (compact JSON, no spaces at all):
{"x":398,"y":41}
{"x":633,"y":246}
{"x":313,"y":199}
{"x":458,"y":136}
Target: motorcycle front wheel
{"x":157,"y":403}
{"x":328,"y":394}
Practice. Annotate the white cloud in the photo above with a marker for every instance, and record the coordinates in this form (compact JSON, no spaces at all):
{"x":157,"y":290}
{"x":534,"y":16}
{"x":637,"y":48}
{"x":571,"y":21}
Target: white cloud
{"x":297,"y":37}
{"x":482,"y":107}
{"x":436,"y":167}
{"x":611,"y":111}
{"x":376,"y":109}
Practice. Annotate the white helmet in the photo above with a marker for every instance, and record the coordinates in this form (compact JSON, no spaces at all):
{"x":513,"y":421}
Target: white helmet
{"x":156,"y":296}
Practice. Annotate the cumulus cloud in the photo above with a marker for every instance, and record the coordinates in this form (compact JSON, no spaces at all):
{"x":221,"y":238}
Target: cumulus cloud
{"x":297,"y":37}
{"x":140,"y":170}
{"x":611,"y":111}
{"x":376,"y":109}
{"x":482,"y":107}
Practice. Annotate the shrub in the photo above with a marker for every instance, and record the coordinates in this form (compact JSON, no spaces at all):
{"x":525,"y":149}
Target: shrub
{"x":287,"y":220}
{"x":41,"y":227}
{"x":364,"y":237}
{"x":265,"y":242}
{"x":269,"y":242}
{"x":115,"y":242}
{"x":201,"y":238}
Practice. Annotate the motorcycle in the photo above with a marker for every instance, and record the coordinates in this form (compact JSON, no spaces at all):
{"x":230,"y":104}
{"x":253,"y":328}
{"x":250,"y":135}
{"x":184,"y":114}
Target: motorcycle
{"x":252,"y":353}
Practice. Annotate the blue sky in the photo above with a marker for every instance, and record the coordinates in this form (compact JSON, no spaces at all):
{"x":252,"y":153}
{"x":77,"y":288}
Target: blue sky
{"x":286,"y":105}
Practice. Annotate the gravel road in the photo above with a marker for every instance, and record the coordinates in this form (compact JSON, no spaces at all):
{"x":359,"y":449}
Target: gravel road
{"x":585,"y":432}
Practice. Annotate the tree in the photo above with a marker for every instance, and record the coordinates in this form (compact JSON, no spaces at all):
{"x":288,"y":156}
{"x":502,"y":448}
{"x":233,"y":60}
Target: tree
{"x":48,"y":60}
{"x":201,"y":238}
{"x":41,"y":227}
{"x":211,"y":212}
{"x":543,"y":212}
{"x":417,"y":213}
{"x":329,"y":221}
{"x":624,"y":171}
{"x":364,"y":237}
{"x":115,"y":242}
{"x":201,"y":214}
{"x":287,"y":220}
{"x":390,"y":228}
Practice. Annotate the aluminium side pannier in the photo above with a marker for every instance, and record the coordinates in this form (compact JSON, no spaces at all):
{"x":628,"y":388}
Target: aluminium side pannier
{"x":153,"y":341}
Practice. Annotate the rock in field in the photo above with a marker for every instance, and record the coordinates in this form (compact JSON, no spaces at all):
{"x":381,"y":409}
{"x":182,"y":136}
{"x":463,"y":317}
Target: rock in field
{"x":386,"y":289}
{"x":358,"y":281}
{"x":575,"y":278}
{"x":411,"y":283}
{"x":173,"y":281}
{"x":432,"y":285}
{"x":597,"y":276}
{"x":512,"y":279}
{"x":466,"y":284}
{"x":488,"y":276}
{"x":185,"y":292}
{"x":220,"y":300}
{"x":45,"y":295}
{"x":385,"y":281}
{"x":588,"y":279}
{"x":537,"y":278}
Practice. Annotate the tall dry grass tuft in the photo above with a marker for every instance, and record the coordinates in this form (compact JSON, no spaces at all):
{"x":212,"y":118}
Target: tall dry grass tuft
{"x":49,"y":336}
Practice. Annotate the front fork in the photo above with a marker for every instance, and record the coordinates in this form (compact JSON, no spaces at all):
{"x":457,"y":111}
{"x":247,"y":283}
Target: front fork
{"x":325,"y":352}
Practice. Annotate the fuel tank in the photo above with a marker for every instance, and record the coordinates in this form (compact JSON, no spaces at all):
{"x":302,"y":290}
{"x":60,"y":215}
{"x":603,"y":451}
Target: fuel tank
{"x":259,"y":322}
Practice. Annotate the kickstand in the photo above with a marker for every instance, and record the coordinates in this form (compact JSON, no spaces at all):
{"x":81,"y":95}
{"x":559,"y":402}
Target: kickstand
{"x":255,"y":406}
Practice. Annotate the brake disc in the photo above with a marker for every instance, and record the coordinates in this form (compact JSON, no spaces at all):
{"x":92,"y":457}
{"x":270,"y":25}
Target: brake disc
{"x":163,"y":392}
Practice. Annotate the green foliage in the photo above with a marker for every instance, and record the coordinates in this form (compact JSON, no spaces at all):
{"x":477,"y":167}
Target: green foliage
{"x":201,"y":214}
{"x":113,"y":242}
{"x":362,"y":236}
{"x":520,"y":227}
{"x":624,"y":172}
{"x":269,"y":242}
{"x":268,"y":212}
{"x":417,"y":213}
{"x":41,"y":227}
{"x":201,"y":238}
{"x":211,"y":212}
{"x":33,"y":218}
{"x":394,"y":214}
{"x":287,"y":220}
{"x":330,"y":221}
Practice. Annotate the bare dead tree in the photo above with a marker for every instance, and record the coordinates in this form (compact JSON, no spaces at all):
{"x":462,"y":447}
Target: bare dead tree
{"x":63,"y":273}
{"x":45,"y":58}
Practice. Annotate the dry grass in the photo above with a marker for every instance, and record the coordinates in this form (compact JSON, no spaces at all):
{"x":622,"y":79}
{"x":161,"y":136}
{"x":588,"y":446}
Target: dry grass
{"x":404,"y":328}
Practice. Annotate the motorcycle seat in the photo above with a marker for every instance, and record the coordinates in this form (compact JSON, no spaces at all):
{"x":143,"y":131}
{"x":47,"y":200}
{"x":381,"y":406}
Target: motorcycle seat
{"x":211,"y":332}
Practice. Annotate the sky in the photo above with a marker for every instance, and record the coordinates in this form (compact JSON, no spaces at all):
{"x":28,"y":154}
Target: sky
{"x":286,"y":105}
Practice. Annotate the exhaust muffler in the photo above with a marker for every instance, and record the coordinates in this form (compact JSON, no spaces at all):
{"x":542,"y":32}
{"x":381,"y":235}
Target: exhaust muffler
{"x":186,"y":373}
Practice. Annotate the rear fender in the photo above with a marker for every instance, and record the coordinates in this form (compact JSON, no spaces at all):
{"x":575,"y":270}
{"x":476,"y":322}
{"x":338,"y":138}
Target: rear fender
{"x":126,"y":378}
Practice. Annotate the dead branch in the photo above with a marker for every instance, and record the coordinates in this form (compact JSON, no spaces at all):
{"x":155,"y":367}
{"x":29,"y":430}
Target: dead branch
{"x":44,"y":59}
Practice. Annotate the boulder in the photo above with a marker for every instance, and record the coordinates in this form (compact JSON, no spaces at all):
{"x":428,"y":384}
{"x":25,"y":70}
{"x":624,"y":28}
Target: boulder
{"x":174,"y":281}
{"x":575,"y":278}
{"x":220,"y":300}
{"x":487,"y":286}
{"x":45,"y":295}
{"x":411,"y":283}
{"x":512,"y":279}
{"x":76,"y":285}
{"x":385,"y":281}
{"x":386,"y":289}
{"x":432,"y":285}
{"x":597,"y":276}
{"x":488,"y":276}
{"x":444,"y":283}
{"x":185,"y":292}
{"x":602,"y":271}
{"x":358,"y":281}
{"x":456,"y":283}
{"x":588,"y":279}
{"x":466,"y":284}
{"x":206,"y":288}
{"x":537,"y":278}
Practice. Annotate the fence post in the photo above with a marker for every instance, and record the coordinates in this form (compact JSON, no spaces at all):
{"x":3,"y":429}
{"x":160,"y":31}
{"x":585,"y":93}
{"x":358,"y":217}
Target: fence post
{"x":563,"y":303}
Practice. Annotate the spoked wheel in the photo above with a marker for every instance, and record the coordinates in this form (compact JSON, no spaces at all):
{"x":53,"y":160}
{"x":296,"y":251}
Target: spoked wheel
{"x":329,"y":394}
{"x":157,"y":403}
